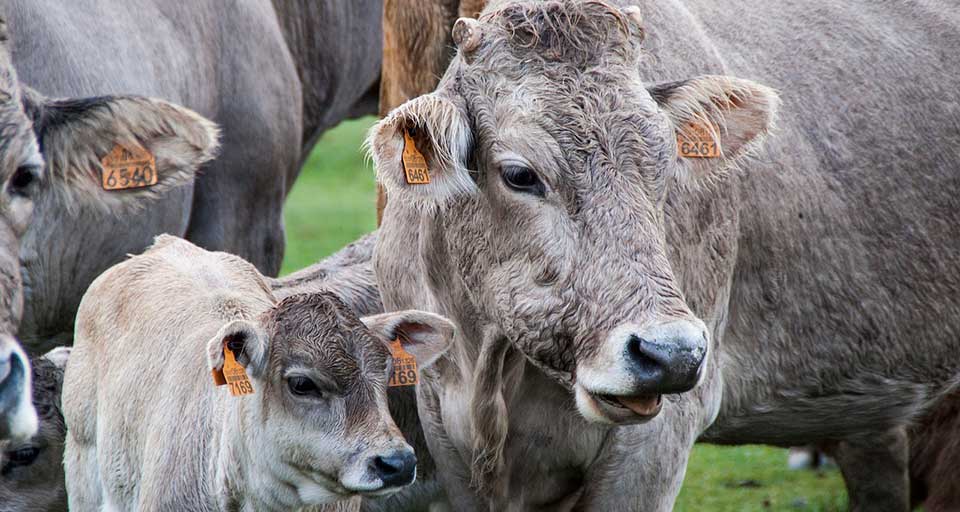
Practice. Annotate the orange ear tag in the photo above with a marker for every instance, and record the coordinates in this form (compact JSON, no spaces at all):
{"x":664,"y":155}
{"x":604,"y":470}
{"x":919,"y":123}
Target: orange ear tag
{"x":404,"y":366}
{"x":234,"y":374}
{"x":414,"y":164}
{"x":696,"y":141}
{"x":125,"y":168}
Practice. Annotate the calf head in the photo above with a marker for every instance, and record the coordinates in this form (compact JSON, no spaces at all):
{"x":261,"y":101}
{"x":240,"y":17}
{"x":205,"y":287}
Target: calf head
{"x":319,"y":414}
{"x":31,"y":470}
{"x":550,"y":165}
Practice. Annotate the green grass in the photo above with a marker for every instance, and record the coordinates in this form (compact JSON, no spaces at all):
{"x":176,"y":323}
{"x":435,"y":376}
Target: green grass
{"x":332,"y":204}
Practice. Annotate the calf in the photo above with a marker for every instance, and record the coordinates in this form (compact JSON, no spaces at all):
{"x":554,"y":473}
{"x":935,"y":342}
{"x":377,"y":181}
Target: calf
{"x":31,"y":471}
{"x":148,"y":429}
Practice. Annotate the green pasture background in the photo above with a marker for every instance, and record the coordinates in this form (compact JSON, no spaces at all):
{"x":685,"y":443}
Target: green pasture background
{"x":333,"y":204}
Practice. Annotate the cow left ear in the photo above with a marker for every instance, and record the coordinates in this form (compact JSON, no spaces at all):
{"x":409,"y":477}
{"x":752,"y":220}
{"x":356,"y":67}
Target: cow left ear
{"x":421,"y":149}
{"x":716,"y":119}
{"x":119,"y":150}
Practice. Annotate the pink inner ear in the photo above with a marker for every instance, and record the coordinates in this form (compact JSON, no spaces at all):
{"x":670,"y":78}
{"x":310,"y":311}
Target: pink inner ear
{"x":407,"y":331}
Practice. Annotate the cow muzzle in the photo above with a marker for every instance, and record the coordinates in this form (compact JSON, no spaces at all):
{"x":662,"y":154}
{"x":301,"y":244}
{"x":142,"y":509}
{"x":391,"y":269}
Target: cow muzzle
{"x":625,"y":382}
{"x":18,"y":419}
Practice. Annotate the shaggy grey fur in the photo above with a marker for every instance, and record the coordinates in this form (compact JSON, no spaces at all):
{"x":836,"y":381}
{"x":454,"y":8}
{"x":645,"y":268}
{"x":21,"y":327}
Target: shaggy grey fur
{"x":819,"y":261}
{"x":275,"y":75}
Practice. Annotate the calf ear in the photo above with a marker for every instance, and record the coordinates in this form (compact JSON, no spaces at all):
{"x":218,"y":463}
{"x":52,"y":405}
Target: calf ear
{"x":59,"y":357}
{"x":248,"y":343}
{"x":717,"y":120}
{"x":429,"y":132}
{"x":425,"y":335}
{"x":88,"y":144}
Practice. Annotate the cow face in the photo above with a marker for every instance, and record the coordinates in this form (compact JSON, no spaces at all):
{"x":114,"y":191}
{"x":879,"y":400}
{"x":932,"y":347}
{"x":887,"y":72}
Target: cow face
{"x":320,"y":404}
{"x":550,"y":165}
{"x":31,"y":471}
{"x":21,"y":166}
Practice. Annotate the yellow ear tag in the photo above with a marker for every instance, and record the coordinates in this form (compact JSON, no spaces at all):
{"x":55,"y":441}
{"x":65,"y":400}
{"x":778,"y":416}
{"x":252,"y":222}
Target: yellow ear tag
{"x":404,"y":366}
{"x":414,"y":164}
{"x":696,"y":141}
{"x":128,"y":167}
{"x":234,"y":374}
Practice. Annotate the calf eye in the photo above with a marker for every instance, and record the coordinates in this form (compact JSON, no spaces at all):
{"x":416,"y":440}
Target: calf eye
{"x":23,"y":179}
{"x":522,"y":179}
{"x":303,"y":386}
{"x":21,"y":457}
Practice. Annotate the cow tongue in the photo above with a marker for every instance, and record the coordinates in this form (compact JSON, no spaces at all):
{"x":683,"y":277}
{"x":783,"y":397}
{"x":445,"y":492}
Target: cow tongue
{"x":642,"y":405}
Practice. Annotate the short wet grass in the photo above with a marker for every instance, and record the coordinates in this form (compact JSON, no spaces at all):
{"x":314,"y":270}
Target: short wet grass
{"x":333,"y":204}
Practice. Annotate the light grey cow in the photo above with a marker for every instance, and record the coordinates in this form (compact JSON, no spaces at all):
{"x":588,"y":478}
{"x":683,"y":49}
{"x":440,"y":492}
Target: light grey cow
{"x":603,"y":212}
{"x":273,"y":75}
{"x":31,"y":470}
{"x":315,"y":430}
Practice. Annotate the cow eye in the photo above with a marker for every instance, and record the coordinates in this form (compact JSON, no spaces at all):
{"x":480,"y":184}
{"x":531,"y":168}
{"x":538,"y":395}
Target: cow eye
{"x":23,"y":180}
{"x":522,"y":179}
{"x":303,"y":386}
{"x":21,"y":457}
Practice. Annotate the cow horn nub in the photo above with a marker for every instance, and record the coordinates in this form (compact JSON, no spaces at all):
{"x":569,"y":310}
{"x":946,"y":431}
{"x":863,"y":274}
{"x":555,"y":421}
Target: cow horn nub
{"x":467,"y":34}
{"x":634,"y":13}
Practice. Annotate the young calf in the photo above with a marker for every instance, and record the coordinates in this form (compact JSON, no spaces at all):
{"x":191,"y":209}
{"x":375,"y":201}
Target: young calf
{"x":149,"y":430}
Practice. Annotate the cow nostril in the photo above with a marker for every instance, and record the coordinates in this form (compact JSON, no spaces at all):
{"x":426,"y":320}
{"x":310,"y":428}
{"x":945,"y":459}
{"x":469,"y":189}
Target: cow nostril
{"x":639,"y":356}
{"x":395,"y":469}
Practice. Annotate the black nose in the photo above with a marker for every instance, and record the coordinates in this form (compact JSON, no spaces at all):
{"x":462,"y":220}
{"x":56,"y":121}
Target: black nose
{"x":396,"y":469}
{"x":667,"y":358}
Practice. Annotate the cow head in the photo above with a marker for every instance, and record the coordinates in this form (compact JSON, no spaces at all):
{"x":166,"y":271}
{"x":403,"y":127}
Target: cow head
{"x":20,"y":163}
{"x":64,"y":214}
{"x":550,"y":163}
{"x":31,"y":470}
{"x":319,"y":416}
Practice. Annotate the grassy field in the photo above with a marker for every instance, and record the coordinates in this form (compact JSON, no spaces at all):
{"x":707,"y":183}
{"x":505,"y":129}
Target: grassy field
{"x":333,"y":204}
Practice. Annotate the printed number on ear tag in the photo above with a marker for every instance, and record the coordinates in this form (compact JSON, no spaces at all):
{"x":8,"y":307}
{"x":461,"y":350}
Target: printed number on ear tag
{"x":233,"y":374}
{"x":696,"y":141}
{"x":128,"y":167}
{"x":414,"y":164}
{"x":404,"y":366}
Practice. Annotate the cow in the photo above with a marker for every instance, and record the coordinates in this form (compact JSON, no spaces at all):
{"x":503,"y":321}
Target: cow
{"x":308,"y":426}
{"x":31,"y":471}
{"x":591,"y":195}
{"x":274,"y":75}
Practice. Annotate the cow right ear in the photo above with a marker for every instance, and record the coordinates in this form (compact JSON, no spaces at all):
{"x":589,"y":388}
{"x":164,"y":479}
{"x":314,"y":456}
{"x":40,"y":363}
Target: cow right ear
{"x":246,"y":340}
{"x":421,"y":149}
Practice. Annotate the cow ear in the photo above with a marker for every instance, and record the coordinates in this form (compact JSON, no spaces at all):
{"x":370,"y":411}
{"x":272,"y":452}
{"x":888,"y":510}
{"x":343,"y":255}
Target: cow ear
{"x":425,"y":335}
{"x":421,"y":150}
{"x":717,"y":120}
{"x":246,"y":340}
{"x":119,"y":150}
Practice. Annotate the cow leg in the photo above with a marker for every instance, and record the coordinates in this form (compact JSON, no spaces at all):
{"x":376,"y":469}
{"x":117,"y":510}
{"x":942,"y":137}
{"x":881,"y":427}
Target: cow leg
{"x":875,"y":470}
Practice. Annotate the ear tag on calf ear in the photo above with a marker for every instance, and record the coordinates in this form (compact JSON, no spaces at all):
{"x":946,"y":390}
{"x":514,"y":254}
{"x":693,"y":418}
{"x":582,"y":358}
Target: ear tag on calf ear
{"x":414,"y":164}
{"x":128,"y":167}
{"x":404,"y":366}
{"x":695,"y":140}
{"x":235,"y":374}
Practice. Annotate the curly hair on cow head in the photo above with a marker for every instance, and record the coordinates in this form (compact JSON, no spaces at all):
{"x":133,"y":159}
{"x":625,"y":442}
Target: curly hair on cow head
{"x":578,"y":33}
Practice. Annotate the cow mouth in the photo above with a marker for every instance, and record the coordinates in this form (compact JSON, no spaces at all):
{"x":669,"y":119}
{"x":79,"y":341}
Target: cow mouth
{"x":618,"y":409}
{"x":644,"y":405}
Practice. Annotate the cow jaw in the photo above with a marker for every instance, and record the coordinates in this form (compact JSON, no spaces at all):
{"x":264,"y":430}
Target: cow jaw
{"x":617,"y":409}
